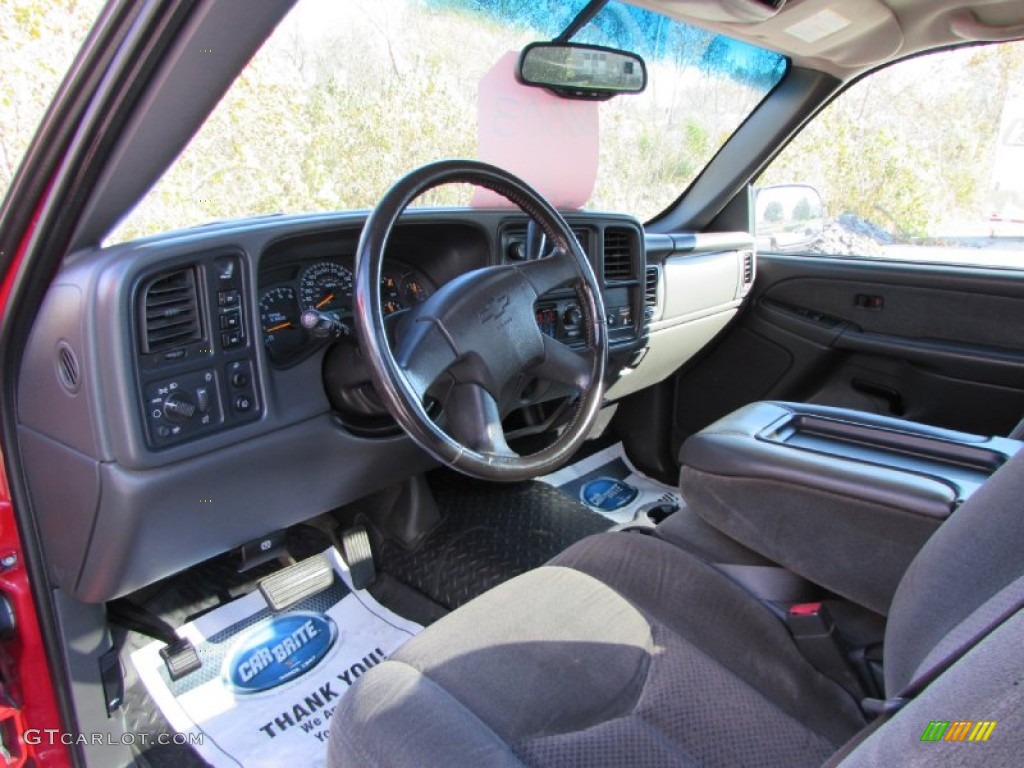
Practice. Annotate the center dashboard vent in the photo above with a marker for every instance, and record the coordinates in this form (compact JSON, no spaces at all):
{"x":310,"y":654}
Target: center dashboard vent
{"x":169,"y":312}
{"x":618,"y":254}
{"x":514,"y":242}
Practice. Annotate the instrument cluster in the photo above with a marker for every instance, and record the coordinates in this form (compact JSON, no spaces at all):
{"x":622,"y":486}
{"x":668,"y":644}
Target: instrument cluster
{"x":327,"y":286}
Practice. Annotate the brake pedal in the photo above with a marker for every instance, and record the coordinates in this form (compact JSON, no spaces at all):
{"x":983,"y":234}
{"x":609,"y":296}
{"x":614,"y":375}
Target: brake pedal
{"x":297,"y":582}
{"x":358,"y":554}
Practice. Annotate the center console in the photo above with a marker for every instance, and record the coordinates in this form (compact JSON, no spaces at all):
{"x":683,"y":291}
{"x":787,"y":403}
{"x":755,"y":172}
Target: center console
{"x":843,"y":498}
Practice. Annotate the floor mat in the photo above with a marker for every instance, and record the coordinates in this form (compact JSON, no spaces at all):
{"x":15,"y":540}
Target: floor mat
{"x":269,"y":683}
{"x":608,"y":484}
{"x":489,"y":533}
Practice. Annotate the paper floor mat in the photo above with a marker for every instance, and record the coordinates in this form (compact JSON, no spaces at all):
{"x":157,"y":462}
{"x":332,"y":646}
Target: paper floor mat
{"x":608,"y":484}
{"x":270,"y":682}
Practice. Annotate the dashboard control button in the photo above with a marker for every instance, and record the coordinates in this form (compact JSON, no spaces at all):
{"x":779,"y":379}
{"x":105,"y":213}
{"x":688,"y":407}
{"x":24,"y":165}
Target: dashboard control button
{"x":572,"y":316}
{"x":231,"y":339}
{"x":227,"y":298}
{"x":230,"y":320}
{"x":243,"y":403}
{"x":203,"y":399}
{"x":239,"y":379}
{"x":179,"y":407}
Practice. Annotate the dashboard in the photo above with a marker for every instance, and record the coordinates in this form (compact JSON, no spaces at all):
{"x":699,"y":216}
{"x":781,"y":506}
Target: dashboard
{"x":176,"y":402}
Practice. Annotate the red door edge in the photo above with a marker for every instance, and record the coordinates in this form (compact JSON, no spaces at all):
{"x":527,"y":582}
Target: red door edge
{"x":29,"y":718}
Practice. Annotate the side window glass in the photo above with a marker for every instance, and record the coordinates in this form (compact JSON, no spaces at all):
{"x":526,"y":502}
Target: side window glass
{"x":921,"y":161}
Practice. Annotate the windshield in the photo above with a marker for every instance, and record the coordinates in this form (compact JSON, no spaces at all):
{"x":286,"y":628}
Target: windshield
{"x":346,"y":97}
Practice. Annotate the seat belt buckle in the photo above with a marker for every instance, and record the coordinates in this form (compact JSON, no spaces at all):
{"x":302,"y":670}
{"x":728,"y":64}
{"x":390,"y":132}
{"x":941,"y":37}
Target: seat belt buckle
{"x":814,"y":632}
{"x":883,"y":707}
{"x":809,"y":620}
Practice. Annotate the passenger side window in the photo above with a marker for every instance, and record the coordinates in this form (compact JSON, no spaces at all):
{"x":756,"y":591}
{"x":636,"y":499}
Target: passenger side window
{"x":921,"y":161}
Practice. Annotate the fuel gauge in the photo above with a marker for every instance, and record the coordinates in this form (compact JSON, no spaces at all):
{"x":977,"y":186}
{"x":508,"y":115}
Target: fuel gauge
{"x":412,"y":292}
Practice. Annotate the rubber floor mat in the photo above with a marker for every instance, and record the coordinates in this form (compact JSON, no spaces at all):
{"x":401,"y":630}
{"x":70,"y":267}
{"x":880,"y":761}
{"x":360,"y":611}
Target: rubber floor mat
{"x":489,"y":533}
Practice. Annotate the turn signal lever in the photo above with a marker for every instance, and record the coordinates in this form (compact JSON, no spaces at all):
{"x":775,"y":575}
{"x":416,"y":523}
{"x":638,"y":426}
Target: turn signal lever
{"x":323,"y":324}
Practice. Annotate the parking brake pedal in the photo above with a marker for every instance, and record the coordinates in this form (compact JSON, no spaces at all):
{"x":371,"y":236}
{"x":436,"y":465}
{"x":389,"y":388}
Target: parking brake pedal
{"x":297,"y":582}
{"x":180,"y":658}
{"x":358,"y":554}
{"x":179,"y":655}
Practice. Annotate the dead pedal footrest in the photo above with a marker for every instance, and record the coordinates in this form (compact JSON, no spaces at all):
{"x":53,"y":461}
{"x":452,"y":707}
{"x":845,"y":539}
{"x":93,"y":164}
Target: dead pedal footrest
{"x":297,"y":582}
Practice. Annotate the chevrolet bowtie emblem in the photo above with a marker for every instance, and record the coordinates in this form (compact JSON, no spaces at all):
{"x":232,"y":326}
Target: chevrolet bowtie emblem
{"x":494,"y":308}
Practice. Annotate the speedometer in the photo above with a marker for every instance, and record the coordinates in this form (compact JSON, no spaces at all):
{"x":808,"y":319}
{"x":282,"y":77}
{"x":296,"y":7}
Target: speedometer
{"x":326,"y":286}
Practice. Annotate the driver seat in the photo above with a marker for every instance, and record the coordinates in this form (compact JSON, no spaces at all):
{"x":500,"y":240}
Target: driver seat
{"x":629,"y":651}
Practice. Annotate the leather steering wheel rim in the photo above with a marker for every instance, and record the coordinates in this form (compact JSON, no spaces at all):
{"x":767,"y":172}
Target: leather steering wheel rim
{"x":480,"y":318}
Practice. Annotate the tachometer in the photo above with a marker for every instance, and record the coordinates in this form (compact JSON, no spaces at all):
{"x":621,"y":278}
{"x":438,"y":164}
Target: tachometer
{"x":279,"y":319}
{"x":326,"y":286}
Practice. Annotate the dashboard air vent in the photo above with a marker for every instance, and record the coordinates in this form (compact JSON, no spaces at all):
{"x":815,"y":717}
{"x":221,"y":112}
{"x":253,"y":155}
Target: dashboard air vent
{"x":170,"y":311}
{"x":650,"y":291}
{"x":618,"y":255}
{"x":68,"y":371}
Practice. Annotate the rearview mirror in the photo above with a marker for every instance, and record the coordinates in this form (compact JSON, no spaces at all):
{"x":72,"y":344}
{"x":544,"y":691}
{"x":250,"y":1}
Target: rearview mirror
{"x":788,"y":217}
{"x":577,"y":71}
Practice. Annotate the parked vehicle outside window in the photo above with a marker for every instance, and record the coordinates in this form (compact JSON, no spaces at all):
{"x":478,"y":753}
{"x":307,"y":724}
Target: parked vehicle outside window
{"x":921,"y":161}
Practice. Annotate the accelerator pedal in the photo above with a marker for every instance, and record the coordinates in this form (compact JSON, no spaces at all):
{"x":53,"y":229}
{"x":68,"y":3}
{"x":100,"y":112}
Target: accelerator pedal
{"x":297,"y":582}
{"x":358,"y":554}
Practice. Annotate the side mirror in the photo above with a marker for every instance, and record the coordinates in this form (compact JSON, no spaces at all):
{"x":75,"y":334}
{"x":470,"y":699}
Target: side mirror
{"x":788,"y":217}
{"x":578,"y":71}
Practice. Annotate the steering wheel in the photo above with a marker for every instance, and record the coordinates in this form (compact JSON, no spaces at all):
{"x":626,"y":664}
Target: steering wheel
{"x":476,"y":339}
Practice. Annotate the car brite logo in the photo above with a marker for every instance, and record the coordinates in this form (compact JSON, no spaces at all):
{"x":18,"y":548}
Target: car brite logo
{"x":277,"y":650}
{"x":958,"y":730}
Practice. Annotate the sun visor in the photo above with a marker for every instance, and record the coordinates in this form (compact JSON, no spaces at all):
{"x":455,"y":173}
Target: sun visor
{"x":549,"y":142}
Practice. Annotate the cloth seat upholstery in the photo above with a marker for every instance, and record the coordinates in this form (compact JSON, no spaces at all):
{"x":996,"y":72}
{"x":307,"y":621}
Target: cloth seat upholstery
{"x":628,"y":651}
